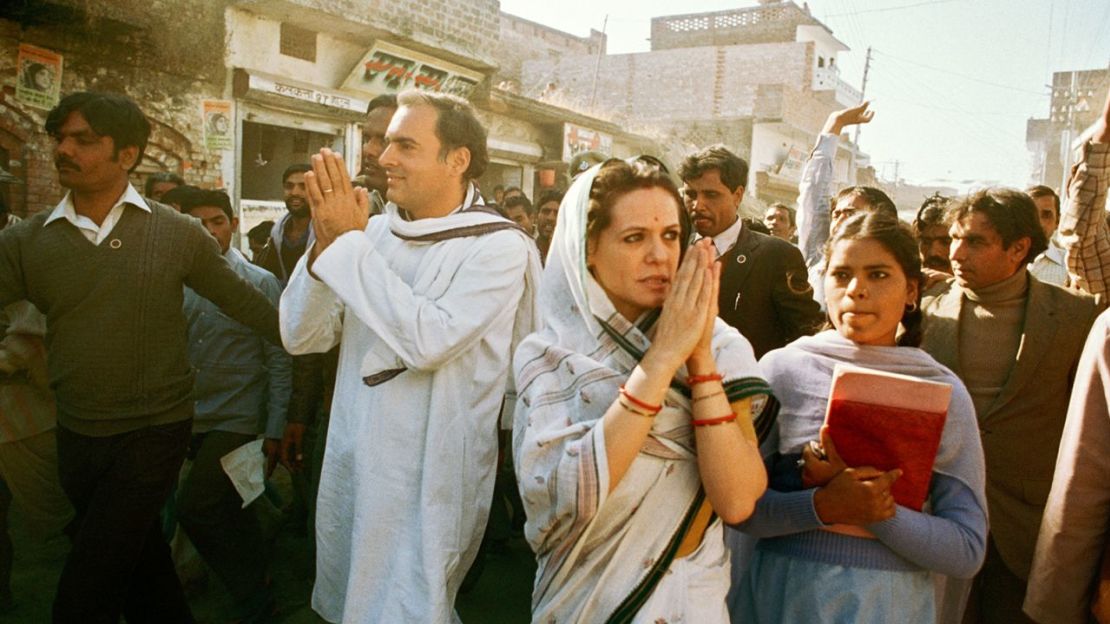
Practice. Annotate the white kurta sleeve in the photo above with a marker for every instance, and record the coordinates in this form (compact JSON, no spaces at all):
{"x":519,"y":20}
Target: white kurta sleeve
{"x":426,"y":333}
{"x":311,"y":316}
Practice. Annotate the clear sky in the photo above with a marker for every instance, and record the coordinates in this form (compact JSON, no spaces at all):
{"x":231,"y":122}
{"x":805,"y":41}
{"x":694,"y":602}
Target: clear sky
{"x":952,"y":81}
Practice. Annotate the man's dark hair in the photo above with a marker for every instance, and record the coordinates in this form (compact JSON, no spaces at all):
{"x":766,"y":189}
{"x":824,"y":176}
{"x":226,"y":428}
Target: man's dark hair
{"x":297,"y":168}
{"x":932,"y":212}
{"x":498,"y":188}
{"x":551,"y":196}
{"x":201,"y":197}
{"x":161,"y":176}
{"x":878,"y":200}
{"x":385,"y":100}
{"x":732,"y":169}
{"x":456,"y":126}
{"x":3,"y":206}
{"x":261,"y":232}
{"x":790,"y":212}
{"x":519,"y":201}
{"x":512,"y":189}
{"x":108,"y":114}
{"x":1040,"y":190}
{"x":1012,"y":214}
{"x":179,"y":196}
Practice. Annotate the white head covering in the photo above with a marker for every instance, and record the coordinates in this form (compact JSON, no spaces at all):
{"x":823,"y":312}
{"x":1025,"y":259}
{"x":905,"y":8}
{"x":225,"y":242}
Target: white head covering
{"x":590,"y":551}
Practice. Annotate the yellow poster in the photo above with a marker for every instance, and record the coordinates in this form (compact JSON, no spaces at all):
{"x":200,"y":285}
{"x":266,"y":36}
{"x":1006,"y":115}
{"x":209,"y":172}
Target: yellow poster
{"x":39,"y":78}
{"x":218,"y":126}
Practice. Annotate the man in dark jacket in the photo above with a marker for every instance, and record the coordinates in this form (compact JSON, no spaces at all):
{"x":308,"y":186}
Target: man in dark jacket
{"x":764,"y":292}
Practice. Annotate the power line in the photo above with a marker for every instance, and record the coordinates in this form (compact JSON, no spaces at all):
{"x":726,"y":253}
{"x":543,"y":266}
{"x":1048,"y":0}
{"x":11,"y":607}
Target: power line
{"x":893,"y":8}
{"x":958,"y":74}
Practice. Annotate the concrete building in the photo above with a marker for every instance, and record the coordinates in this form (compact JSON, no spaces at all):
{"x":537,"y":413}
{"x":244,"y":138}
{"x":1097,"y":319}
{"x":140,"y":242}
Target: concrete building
{"x":1077,"y":98}
{"x":759,"y":79}
{"x":239,"y":89}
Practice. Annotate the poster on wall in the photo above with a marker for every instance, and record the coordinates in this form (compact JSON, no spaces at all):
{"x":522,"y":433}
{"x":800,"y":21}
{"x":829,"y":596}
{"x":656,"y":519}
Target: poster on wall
{"x":577,"y":139}
{"x":218,"y":126}
{"x":389,"y":68}
{"x":39,"y":77}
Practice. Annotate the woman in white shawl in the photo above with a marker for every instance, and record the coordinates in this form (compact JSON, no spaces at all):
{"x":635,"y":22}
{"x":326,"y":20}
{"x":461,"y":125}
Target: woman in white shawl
{"x":878,"y":564}
{"x":614,"y":398}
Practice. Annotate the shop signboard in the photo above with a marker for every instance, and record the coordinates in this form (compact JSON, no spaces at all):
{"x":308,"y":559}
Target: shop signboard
{"x":389,"y":68}
{"x":577,"y":139}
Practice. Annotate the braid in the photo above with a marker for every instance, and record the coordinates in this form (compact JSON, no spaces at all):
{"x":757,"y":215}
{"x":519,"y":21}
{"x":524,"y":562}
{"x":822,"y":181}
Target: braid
{"x":911,"y":323}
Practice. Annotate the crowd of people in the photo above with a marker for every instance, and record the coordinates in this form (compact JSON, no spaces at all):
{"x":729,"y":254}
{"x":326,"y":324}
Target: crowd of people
{"x":626,"y":370}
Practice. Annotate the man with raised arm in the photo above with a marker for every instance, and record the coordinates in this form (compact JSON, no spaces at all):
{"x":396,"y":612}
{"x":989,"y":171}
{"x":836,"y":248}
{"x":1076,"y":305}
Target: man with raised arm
{"x":1083,"y":229}
{"x":426,"y":303}
{"x":818,"y":211}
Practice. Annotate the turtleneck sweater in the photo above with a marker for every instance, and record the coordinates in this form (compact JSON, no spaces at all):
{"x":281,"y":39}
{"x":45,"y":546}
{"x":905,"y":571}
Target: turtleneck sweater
{"x":992,"y":320}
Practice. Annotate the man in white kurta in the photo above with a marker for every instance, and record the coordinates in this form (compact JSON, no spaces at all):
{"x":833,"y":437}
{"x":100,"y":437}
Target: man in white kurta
{"x":426,"y":312}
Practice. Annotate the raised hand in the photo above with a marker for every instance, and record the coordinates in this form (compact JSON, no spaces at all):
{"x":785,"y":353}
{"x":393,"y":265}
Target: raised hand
{"x":337,"y":207}
{"x":838,"y":120}
{"x":681,"y":324}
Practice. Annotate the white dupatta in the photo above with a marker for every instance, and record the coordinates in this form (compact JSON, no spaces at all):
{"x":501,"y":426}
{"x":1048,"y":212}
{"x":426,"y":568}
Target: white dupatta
{"x":600,"y":553}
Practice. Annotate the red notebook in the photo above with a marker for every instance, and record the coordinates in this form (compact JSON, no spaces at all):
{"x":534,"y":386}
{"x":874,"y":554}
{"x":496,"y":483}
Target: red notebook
{"x":889,"y":421}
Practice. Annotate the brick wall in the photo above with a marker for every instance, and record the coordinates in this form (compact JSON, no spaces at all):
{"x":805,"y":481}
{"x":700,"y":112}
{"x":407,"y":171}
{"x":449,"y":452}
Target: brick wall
{"x":678,"y":84}
{"x":771,"y":23}
{"x":167,"y":56}
{"x":523,"y":40}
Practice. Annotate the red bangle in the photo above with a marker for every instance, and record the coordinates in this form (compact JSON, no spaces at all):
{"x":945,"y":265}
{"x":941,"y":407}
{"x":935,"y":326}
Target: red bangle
{"x":693,"y":380}
{"x":654,"y":409}
{"x":714,"y":421}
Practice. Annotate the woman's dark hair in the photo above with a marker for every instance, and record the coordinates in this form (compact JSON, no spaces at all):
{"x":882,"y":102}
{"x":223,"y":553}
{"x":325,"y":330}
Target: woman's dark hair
{"x":108,"y":114}
{"x":616,"y":179}
{"x":897,"y":238}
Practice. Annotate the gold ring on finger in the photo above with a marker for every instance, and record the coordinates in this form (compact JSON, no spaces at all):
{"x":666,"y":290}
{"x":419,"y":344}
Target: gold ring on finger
{"x":328,"y":190}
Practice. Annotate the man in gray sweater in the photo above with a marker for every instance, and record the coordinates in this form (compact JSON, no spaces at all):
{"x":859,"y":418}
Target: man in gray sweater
{"x":107,"y":268}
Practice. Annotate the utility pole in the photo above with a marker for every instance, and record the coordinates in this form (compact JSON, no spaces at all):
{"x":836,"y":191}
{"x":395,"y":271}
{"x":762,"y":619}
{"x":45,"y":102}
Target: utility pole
{"x":855,"y":140}
{"x":1066,"y":139}
{"x":597,"y":66}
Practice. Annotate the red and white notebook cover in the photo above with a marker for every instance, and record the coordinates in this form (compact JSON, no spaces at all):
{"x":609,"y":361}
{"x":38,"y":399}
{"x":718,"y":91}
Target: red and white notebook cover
{"x":889,"y":421}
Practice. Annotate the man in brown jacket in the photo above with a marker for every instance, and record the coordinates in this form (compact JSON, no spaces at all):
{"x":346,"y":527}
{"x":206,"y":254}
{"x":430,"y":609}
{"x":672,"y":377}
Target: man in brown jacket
{"x":1015,"y":342}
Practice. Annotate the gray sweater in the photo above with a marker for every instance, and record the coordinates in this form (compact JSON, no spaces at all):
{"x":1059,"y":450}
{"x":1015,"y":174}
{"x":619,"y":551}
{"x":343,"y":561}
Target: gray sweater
{"x":116,"y":333}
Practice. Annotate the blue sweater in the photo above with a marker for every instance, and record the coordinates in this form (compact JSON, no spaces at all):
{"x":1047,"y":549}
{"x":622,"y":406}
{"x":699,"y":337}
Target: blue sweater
{"x":951,"y":540}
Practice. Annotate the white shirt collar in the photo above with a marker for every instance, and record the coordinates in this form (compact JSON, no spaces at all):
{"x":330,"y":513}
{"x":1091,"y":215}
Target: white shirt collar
{"x":66,"y":210}
{"x":725,"y":240}
{"x":1055,"y":252}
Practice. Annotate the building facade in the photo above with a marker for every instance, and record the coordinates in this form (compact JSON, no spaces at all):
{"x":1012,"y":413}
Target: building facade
{"x":760,"y":80}
{"x":238,"y":90}
{"x":1077,"y":98}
